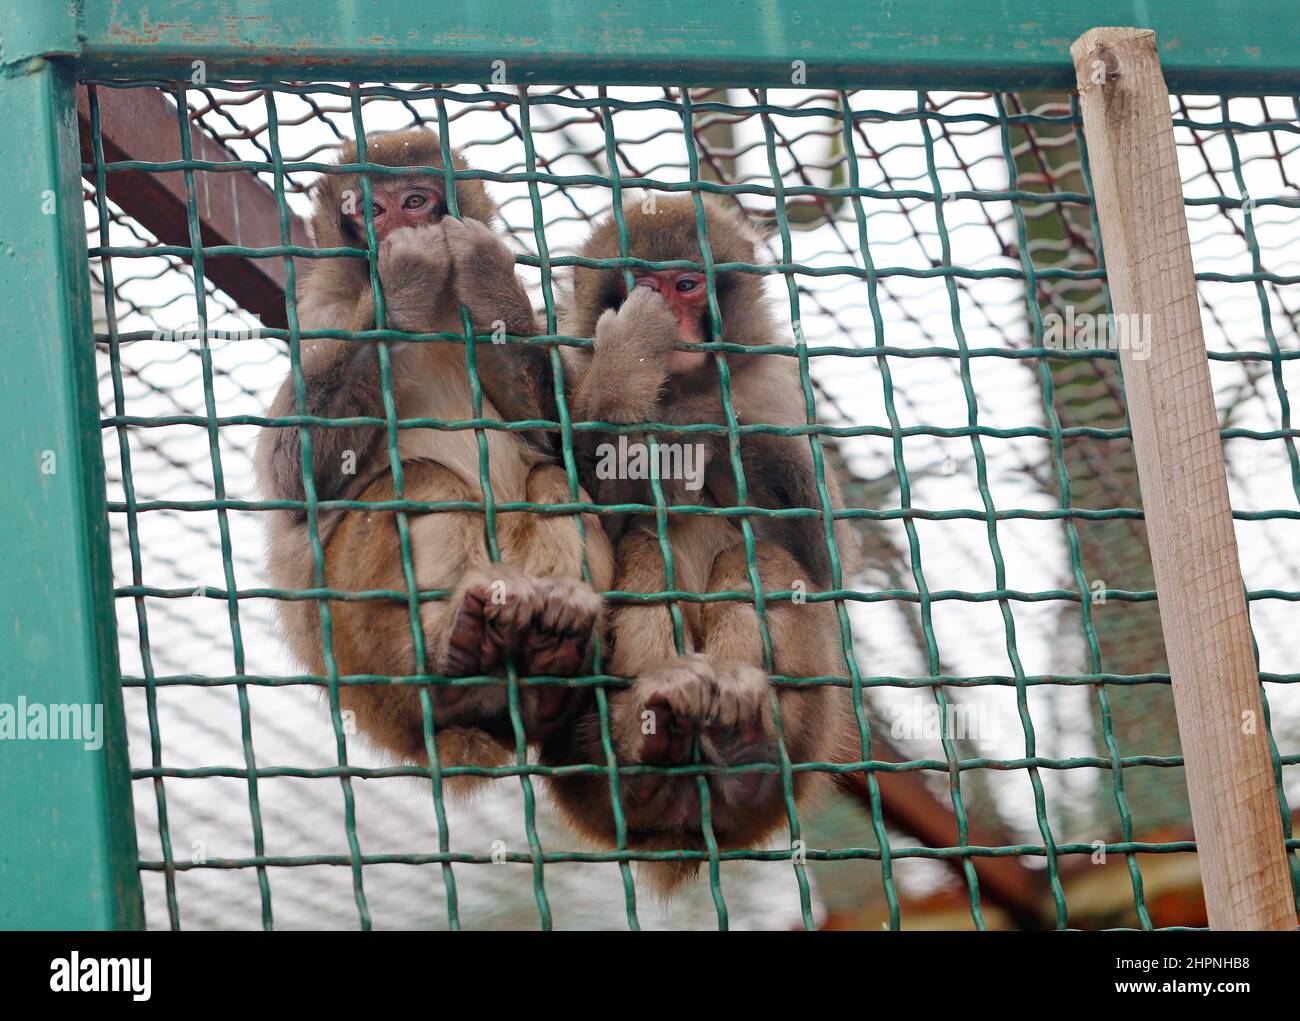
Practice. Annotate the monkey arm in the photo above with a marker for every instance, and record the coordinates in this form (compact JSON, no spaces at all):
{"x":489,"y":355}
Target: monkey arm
{"x":628,"y":371}
{"x":623,"y":380}
{"x":484,"y":279}
{"x":429,"y":272}
{"x":343,"y":384}
{"x":779,"y":474}
{"x":516,"y":377}
{"x":342,"y":380}
{"x":414,"y":269}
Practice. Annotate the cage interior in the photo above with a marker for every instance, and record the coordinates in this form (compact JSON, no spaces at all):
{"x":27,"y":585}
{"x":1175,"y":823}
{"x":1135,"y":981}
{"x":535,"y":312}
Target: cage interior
{"x":1004,"y":633}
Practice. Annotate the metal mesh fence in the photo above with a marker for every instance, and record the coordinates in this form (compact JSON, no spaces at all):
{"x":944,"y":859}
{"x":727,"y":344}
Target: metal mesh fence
{"x":919,"y":245}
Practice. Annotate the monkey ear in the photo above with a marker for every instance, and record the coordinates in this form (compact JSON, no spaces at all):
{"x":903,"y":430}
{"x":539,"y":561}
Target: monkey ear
{"x":740,"y":224}
{"x":764,"y":229}
{"x":757,"y":229}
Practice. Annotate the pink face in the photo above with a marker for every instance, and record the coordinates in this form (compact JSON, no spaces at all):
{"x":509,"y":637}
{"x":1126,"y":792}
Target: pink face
{"x":686,"y":293}
{"x":393,"y":208}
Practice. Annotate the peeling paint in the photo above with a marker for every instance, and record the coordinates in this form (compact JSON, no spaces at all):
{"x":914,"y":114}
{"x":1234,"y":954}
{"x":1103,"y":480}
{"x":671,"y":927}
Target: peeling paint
{"x":994,"y":44}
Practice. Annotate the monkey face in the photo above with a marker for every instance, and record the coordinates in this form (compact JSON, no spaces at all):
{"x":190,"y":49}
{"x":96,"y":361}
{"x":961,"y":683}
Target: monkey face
{"x":394,"y":205}
{"x":411,"y":199}
{"x":685,"y":293}
{"x":669,"y":233}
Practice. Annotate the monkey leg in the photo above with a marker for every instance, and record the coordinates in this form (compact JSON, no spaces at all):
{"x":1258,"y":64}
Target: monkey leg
{"x":720,"y":700}
{"x":723,"y":706}
{"x":374,"y":636}
{"x":547,"y":551}
{"x":642,"y":637}
{"x":533,"y":605}
{"x":815,"y":720}
{"x":495,"y":610}
{"x":643,"y":632}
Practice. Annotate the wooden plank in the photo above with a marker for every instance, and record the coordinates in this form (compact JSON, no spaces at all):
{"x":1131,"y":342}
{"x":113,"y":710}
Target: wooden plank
{"x":1004,"y":44}
{"x":67,"y":849}
{"x":234,"y":208}
{"x":1184,"y":489}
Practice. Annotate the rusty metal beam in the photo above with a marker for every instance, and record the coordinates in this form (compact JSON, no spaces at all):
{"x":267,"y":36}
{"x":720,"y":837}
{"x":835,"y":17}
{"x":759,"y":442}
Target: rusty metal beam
{"x":908,"y":804}
{"x":234,"y":208}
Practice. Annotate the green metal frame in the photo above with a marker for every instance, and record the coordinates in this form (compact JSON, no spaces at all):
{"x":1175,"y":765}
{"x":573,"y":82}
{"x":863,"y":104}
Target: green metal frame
{"x":67,"y":849}
{"x":1219,"y":45}
{"x":73,"y":862}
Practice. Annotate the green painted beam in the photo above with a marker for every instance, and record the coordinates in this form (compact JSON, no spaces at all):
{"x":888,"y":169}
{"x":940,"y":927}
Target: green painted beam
{"x":1210,"y":45}
{"x":67,"y":845}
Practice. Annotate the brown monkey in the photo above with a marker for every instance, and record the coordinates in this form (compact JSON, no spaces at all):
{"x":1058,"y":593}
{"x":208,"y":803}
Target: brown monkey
{"x":716,"y":692}
{"x":532,"y":605}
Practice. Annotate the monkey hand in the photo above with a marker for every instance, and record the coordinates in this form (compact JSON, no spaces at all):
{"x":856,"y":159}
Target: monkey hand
{"x":629,"y":365}
{"x":414,"y":265}
{"x":643,"y":329}
{"x":483,"y":278}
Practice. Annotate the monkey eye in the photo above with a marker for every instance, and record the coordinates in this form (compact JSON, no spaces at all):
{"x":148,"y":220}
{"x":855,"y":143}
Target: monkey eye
{"x":415,"y":200}
{"x":647,"y":280}
{"x":376,"y":209}
{"x":689,"y":282}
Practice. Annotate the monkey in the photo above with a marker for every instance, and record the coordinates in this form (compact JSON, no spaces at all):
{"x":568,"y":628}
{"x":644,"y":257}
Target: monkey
{"x":715,"y":690}
{"x":533,"y":605}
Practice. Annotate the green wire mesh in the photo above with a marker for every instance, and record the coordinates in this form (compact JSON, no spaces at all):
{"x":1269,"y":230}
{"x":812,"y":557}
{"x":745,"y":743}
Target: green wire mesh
{"x":917,"y":242}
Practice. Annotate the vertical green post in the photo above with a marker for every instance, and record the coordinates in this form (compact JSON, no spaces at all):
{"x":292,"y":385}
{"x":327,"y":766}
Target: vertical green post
{"x":67,"y":846}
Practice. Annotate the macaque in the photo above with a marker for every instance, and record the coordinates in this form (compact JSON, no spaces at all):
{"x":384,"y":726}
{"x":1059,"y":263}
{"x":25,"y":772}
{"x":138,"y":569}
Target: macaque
{"x":533,"y":605}
{"x":715,"y":693}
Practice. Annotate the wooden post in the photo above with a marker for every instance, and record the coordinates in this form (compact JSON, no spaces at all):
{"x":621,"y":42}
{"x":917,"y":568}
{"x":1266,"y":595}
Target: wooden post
{"x":1184,"y":488}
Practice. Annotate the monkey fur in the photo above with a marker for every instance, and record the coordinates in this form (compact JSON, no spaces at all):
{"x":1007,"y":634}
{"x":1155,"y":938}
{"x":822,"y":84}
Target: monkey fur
{"x":717,"y":691}
{"x":532,"y":605}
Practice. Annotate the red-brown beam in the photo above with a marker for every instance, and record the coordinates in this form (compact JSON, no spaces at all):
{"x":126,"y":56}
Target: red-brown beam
{"x":907,"y":803}
{"x":234,"y":208}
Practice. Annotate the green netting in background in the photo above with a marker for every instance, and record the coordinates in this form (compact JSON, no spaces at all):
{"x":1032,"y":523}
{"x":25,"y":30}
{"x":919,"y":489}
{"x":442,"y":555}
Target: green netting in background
{"x":917,"y":243}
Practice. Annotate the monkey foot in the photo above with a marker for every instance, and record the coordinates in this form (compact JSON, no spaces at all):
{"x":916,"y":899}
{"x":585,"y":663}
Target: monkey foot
{"x":545,"y":622}
{"x":493,"y":615}
{"x":560,"y":635}
{"x":725,"y":704}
